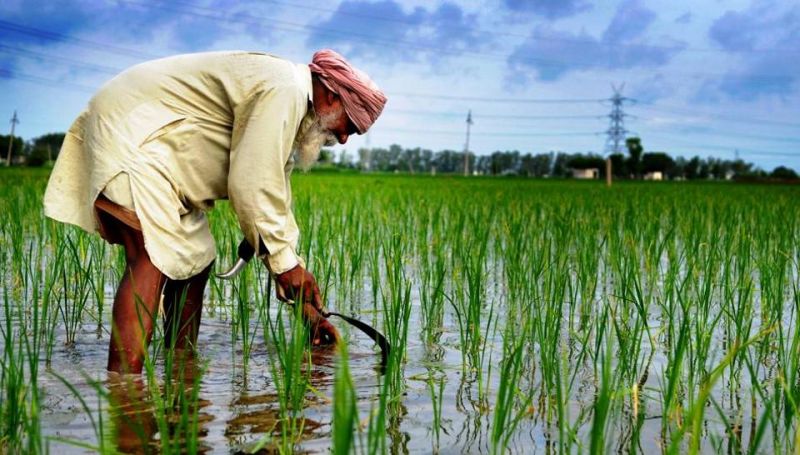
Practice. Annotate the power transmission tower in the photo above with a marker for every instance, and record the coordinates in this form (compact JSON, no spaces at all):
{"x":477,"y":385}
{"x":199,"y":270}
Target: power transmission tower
{"x":14,"y":122}
{"x":616,"y":132}
{"x":466,"y":144}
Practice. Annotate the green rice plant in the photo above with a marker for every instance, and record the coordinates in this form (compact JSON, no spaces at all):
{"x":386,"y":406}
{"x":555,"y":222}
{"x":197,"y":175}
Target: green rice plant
{"x":510,"y":403}
{"x":289,"y":367}
{"x":436,"y":390}
{"x":696,"y":418}
{"x":376,"y":429}
{"x":97,"y":424}
{"x":599,"y":282}
{"x":345,"y":415}
{"x":396,"y":305}
{"x":77,"y":272}
{"x":603,"y":403}
{"x":242,"y":320}
{"x":13,"y":383}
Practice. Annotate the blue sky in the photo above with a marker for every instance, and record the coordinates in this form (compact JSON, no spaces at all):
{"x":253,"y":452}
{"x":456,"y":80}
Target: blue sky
{"x":708,"y":78}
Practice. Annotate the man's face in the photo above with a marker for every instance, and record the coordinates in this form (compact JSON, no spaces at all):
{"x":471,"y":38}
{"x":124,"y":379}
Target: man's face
{"x":334,"y":119}
{"x":310,"y":139}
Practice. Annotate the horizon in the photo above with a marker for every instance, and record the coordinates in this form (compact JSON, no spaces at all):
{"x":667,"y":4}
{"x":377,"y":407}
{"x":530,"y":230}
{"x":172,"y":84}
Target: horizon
{"x":699,"y":79}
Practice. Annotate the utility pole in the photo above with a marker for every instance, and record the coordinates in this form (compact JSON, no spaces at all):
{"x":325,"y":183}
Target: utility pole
{"x":14,"y":122}
{"x":616,"y":132}
{"x":466,"y":144}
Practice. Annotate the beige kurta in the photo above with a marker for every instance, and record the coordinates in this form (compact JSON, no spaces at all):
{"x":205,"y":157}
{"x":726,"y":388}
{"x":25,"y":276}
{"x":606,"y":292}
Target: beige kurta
{"x":186,"y":131}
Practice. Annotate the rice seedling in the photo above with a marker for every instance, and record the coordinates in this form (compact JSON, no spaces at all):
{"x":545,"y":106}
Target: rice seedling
{"x":436,"y":389}
{"x":289,"y":367}
{"x":345,"y":414}
{"x":641,"y":319}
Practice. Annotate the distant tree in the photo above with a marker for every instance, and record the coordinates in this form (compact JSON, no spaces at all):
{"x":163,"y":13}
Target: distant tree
{"x":541,"y":164}
{"x":589,"y":161}
{"x":17,"y":148}
{"x":692,"y":169}
{"x":426,"y":160}
{"x":504,"y":162}
{"x":364,"y":159}
{"x":635,"y":150}
{"x":325,"y":156}
{"x":705,"y":170}
{"x":446,"y":161}
{"x":657,"y":162}
{"x":561,"y":164}
{"x":345,"y":160}
{"x":679,"y":169}
{"x":741,"y":168}
{"x":619,"y":167}
{"x":38,"y":156}
{"x":783,"y":173}
{"x":50,"y":143}
{"x":483,"y":164}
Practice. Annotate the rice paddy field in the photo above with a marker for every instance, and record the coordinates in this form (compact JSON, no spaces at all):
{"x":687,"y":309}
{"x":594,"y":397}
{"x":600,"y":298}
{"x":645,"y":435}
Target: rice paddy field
{"x":525,"y":317}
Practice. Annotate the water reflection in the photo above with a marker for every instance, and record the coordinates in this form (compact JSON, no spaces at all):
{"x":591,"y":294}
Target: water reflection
{"x":173,"y":410}
{"x":258,"y":423}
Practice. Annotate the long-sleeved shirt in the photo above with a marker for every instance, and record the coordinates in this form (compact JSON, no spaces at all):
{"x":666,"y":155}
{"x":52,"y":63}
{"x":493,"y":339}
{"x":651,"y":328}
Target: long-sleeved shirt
{"x":189,"y":130}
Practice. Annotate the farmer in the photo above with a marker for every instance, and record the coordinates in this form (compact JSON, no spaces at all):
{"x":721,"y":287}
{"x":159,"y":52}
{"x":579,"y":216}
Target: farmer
{"x":160,"y":142}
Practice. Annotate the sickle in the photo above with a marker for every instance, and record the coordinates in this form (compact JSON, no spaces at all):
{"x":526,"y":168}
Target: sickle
{"x":376,"y":336}
{"x":245,"y":252}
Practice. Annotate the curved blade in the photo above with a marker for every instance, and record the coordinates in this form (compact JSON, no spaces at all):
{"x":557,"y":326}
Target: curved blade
{"x":233,"y":271}
{"x":376,"y":336}
{"x":245,"y":253}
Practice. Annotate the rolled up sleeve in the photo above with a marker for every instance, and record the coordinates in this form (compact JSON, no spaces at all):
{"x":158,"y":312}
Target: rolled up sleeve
{"x":258,"y":185}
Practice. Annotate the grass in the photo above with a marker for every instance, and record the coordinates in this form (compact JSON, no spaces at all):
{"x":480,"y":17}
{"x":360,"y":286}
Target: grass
{"x":562,"y":316}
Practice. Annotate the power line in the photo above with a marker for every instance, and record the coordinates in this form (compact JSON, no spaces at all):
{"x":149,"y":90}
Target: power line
{"x":491,"y":133}
{"x":296,"y":27}
{"x":372,"y":39}
{"x":729,"y":118}
{"x":712,"y":132}
{"x":491,"y":116}
{"x":86,"y":89}
{"x":54,"y":58}
{"x":260,"y":21}
{"x":484,"y":99}
{"x":6,"y":74}
{"x":112,"y":71}
{"x":53,"y":36}
{"x":746,"y":151}
{"x":13,"y":75}
{"x":525,"y":36}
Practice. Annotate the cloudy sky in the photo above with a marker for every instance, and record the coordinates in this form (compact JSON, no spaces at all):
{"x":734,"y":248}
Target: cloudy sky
{"x":709,"y":77}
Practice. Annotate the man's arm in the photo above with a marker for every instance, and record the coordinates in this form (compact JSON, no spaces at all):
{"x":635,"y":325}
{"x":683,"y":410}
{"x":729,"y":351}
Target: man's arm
{"x":258,"y":188}
{"x":264,"y":129}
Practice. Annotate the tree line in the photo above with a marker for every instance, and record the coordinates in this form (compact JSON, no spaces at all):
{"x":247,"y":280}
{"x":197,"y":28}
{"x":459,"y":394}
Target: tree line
{"x":636,"y":163}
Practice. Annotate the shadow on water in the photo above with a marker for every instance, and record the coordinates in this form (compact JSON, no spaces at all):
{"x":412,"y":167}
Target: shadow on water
{"x":149,"y":418}
{"x":139,"y":414}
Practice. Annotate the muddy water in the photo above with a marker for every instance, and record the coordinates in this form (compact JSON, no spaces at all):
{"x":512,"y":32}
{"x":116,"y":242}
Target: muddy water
{"x":238,"y":408}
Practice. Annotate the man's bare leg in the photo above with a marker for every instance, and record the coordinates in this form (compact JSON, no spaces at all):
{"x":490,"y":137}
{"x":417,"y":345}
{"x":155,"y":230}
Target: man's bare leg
{"x":183,"y":305}
{"x":135,"y":304}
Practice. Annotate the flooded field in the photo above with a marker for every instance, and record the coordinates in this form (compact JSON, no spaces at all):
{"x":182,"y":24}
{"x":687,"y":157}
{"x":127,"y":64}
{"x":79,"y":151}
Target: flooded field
{"x":525,"y":317}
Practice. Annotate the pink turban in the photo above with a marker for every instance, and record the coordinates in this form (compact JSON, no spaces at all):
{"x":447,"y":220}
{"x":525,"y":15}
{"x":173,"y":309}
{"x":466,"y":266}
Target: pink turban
{"x":362,"y":99}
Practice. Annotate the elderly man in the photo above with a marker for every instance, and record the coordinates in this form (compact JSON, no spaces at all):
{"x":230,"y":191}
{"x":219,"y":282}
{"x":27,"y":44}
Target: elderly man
{"x":159,"y":143}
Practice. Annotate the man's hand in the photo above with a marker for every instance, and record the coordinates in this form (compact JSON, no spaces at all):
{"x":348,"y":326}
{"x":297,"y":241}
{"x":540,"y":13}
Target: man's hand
{"x":292,"y":282}
{"x":298,"y":285}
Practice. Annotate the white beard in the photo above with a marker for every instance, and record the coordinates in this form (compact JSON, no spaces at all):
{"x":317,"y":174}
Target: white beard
{"x":310,"y":139}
